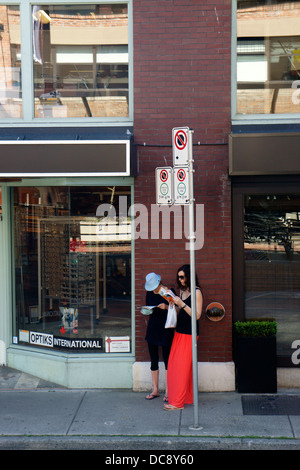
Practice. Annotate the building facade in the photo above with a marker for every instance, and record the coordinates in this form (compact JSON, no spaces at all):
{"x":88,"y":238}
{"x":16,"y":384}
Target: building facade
{"x":67,"y":160}
{"x":264,"y":171}
{"x":182,"y":78}
{"x":90,"y":93}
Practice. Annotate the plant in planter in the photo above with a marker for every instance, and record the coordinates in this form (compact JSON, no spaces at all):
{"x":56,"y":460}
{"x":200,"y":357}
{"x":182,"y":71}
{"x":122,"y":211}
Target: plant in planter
{"x":256,"y":328}
{"x":255,"y":355}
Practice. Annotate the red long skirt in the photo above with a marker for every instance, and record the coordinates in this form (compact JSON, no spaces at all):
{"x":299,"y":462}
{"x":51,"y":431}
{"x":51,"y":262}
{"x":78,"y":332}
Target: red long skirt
{"x":180,"y":371}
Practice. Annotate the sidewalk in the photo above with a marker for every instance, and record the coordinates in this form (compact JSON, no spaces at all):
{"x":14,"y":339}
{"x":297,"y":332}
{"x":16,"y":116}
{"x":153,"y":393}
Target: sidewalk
{"x":38,"y":415}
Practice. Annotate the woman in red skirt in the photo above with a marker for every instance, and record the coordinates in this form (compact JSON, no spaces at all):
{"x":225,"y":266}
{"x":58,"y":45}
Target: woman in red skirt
{"x":180,"y":365}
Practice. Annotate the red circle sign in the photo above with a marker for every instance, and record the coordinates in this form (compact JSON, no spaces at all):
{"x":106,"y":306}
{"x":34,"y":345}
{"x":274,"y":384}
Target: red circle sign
{"x":181,"y":174}
{"x":164,"y":175}
{"x":180,"y":139}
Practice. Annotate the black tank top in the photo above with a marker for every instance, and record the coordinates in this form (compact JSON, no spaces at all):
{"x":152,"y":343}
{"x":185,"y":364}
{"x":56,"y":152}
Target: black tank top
{"x":184,"y":321}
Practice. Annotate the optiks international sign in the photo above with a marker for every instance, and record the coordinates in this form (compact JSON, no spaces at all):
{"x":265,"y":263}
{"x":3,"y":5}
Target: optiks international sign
{"x":48,"y":340}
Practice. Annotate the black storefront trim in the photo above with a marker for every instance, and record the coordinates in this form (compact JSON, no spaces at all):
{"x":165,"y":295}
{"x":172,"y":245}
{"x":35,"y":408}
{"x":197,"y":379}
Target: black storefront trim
{"x":264,"y":154}
{"x":67,"y":152}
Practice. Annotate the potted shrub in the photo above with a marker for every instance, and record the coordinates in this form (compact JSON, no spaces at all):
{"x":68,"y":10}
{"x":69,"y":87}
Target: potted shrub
{"x":255,"y":356}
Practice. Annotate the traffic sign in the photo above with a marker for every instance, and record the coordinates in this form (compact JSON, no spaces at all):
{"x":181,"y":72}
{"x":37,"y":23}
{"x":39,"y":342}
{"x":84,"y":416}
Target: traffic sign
{"x":181,"y":178}
{"x":180,"y":145}
{"x":164,"y":186}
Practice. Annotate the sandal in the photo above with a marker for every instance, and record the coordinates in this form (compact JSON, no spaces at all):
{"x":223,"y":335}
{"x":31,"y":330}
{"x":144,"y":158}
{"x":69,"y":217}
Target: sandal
{"x":165,"y":399}
{"x":151,"y":396}
{"x":172,"y":408}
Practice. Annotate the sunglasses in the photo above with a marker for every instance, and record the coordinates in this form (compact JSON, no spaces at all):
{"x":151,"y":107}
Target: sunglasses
{"x":181,"y":277}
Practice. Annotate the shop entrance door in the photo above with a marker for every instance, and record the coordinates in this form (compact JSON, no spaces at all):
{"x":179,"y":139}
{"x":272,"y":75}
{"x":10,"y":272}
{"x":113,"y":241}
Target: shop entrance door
{"x":267,"y":263}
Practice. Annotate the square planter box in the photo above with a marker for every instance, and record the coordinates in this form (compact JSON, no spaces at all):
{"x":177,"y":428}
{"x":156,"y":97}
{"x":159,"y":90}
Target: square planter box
{"x":255,"y":359}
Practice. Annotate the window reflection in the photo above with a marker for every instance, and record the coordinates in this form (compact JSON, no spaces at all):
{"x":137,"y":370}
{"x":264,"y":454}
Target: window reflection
{"x":268,"y":57}
{"x":272,"y":263}
{"x":80,"y":60}
{"x":10,"y":62}
{"x":72,"y":277}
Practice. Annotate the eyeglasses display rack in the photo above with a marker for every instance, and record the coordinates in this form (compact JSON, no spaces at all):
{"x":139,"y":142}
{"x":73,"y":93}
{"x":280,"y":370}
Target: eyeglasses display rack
{"x":67,"y":266}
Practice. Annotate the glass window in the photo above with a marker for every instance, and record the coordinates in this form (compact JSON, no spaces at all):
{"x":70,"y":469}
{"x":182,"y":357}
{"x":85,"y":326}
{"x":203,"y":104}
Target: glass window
{"x":272,"y":263}
{"x":268,"y":57}
{"x":80,"y":60}
{"x":10,"y":65}
{"x":72,"y":268}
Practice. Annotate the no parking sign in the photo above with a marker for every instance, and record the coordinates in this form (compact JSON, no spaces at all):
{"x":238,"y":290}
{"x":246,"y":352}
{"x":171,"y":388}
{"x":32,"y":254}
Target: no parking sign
{"x":181,"y":185}
{"x":164,"y":185}
{"x":180,"y":145}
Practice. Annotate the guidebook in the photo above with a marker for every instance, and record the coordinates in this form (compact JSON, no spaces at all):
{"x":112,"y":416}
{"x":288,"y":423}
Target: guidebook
{"x":167,"y":294}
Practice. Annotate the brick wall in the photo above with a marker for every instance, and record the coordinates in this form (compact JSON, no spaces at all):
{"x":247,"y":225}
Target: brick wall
{"x":182,"y":77}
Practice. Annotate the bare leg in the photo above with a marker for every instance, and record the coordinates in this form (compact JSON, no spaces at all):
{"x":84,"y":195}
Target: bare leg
{"x":155,"y":380}
{"x":155,"y":391}
{"x":166,"y":391}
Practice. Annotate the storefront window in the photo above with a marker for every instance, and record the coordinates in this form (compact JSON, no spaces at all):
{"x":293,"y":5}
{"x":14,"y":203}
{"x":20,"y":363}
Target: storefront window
{"x":80,"y":60}
{"x":72,"y":269}
{"x":10,"y":63}
{"x":272,"y":264}
{"x":268,"y":57}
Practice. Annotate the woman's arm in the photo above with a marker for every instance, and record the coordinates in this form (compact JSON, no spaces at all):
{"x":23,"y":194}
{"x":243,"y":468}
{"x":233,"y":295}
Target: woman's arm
{"x":199,"y":304}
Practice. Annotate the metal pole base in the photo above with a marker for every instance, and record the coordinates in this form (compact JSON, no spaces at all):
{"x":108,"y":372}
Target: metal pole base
{"x":195,"y":427}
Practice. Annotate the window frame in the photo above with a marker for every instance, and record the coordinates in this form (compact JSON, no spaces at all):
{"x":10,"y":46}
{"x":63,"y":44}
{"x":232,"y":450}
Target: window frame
{"x":260,"y":119}
{"x":27,"y":85}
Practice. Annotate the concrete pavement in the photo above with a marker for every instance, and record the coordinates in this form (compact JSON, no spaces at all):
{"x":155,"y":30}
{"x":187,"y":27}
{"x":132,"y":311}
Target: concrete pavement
{"x":39,"y":415}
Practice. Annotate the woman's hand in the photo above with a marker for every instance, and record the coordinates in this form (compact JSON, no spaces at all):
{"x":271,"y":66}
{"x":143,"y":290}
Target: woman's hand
{"x":179,"y":302}
{"x":163,"y":306}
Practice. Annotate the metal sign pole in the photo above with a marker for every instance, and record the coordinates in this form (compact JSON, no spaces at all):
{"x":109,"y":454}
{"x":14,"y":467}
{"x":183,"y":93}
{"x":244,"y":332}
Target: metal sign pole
{"x":193,"y":285}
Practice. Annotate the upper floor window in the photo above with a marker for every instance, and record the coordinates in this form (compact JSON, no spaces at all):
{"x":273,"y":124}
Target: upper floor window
{"x":267,"y":57}
{"x":80,"y":61}
{"x":10,"y":63}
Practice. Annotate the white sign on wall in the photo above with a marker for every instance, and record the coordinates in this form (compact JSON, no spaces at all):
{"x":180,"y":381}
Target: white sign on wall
{"x":117,"y":344}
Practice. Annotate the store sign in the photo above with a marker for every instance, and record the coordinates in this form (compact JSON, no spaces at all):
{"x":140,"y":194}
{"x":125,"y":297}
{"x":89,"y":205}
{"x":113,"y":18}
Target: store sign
{"x":117,"y":344}
{"x":65,"y":158}
{"x":78,"y":343}
{"x":43,"y":339}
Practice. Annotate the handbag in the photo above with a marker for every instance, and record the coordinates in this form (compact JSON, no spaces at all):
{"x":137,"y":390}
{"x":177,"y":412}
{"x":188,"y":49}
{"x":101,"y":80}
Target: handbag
{"x":171,"y":320}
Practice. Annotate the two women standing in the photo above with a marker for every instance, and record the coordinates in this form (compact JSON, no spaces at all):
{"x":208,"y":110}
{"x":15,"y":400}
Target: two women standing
{"x":179,"y":364}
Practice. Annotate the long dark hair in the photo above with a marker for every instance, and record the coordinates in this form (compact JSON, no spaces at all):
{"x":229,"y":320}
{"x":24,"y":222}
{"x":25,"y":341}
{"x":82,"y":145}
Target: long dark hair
{"x":187,"y":271}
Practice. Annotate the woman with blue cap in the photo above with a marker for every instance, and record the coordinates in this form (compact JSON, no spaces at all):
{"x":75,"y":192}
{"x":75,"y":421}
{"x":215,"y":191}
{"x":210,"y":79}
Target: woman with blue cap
{"x":157,"y":335}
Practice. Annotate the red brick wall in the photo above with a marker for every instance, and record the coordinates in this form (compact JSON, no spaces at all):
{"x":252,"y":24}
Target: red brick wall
{"x":182,"y":78}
